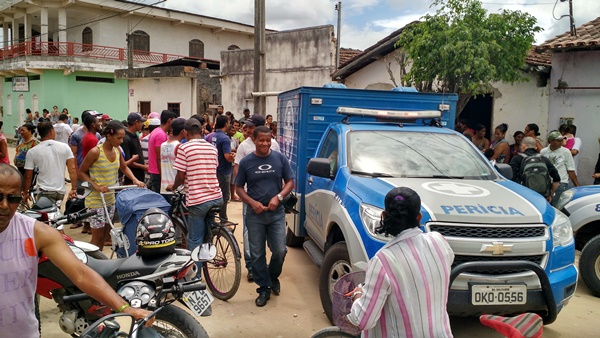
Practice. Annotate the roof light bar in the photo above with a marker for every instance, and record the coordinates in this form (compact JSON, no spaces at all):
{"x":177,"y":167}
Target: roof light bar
{"x":398,"y":114}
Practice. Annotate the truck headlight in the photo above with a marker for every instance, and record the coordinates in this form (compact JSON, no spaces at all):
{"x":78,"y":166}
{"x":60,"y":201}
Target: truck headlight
{"x":562,"y":233}
{"x":371,"y":218}
{"x":564,"y":198}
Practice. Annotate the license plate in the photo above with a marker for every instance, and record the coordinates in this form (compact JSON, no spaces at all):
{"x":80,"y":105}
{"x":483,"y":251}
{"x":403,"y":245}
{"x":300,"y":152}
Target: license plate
{"x":513,"y":294}
{"x":198,"y":301}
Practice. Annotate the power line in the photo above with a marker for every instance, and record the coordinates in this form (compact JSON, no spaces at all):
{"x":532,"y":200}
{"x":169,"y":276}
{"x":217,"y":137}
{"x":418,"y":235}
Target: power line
{"x":99,"y":19}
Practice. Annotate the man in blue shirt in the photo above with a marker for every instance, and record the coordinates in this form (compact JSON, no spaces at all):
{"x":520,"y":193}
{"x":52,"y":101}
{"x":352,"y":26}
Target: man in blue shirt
{"x":226,"y":156}
{"x":269,"y":179}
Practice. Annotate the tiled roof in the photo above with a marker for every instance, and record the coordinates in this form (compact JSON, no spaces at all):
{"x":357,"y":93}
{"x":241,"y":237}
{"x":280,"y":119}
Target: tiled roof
{"x":588,"y":37}
{"x":346,"y":54}
{"x":538,"y":59}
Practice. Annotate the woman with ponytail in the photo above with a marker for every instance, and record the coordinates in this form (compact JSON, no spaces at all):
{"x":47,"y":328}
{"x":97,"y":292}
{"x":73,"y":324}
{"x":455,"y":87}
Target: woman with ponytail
{"x":407,"y":281}
{"x":100,"y":168}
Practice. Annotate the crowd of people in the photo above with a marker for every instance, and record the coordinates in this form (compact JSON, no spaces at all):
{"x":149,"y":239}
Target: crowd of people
{"x":562,"y":152}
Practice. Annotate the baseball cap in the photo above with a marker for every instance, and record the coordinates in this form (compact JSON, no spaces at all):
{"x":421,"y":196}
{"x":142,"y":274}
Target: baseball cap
{"x":555,"y":135}
{"x":192,"y":125}
{"x":154,"y":122}
{"x":105,"y":117}
{"x":255,"y":120}
{"x":134,"y":117}
{"x":154,"y":115}
{"x":177,"y":125}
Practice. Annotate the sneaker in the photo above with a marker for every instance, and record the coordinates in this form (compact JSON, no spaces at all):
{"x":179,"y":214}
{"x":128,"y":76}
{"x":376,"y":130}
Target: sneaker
{"x":262,"y":298}
{"x":276,"y":288}
{"x":250,"y":277}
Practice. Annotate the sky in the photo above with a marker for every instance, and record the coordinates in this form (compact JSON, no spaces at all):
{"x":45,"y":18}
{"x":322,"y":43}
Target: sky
{"x":364,"y":22}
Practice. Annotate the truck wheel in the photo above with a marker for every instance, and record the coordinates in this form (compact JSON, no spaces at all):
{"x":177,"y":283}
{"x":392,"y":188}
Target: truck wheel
{"x":293,"y":240}
{"x":335,"y":264}
{"x":589,"y":265}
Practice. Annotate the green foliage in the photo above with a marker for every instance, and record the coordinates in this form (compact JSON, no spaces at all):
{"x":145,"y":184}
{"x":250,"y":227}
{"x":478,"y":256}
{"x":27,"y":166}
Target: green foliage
{"x":462,"y":48}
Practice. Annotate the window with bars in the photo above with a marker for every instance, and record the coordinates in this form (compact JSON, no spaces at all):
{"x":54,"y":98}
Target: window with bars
{"x":174,"y":107}
{"x":197,"y":49}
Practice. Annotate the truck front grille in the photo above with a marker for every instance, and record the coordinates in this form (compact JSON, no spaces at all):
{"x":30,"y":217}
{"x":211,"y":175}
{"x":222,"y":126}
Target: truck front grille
{"x":521,"y":231}
{"x":460,"y":259}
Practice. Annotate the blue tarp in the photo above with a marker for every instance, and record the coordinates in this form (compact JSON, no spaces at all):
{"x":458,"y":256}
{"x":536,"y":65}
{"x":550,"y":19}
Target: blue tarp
{"x":131,"y":205}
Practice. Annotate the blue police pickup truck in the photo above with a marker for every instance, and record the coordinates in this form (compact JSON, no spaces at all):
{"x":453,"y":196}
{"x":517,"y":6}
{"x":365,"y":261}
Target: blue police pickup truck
{"x":348,"y":148}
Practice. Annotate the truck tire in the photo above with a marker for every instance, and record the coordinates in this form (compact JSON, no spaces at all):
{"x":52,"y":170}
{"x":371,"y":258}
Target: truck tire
{"x":335,"y":264}
{"x":292,"y":240}
{"x":589,"y":265}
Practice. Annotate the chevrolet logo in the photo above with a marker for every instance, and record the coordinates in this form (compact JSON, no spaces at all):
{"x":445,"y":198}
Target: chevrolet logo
{"x":497,"y":248}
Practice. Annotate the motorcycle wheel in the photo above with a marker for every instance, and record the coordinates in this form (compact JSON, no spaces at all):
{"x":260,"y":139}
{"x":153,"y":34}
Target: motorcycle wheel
{"x":97,"y":254}
{"x":174,"y":322}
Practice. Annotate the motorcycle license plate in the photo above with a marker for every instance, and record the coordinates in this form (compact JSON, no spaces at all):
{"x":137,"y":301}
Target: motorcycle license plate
{"x":198,"y":301}
{"x":505,"y":294}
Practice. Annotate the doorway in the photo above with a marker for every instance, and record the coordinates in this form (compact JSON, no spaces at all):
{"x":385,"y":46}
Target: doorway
{"x":144,"y":107}
{"x":479,"y":111}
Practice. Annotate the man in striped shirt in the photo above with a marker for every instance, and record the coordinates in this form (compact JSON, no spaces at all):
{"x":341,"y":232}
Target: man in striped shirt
{"x":196,"y":164}
{"x":407,"y":281}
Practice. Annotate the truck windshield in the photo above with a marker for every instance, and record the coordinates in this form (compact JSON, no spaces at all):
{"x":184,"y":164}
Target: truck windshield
{"x":416,"y":154}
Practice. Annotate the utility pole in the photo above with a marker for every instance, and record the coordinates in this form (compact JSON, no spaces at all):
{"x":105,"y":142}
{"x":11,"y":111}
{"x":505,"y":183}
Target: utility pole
{"x":129,"y":51}
{"x":571,"y":18}
{"x":260,"y":102}
{"x":338,"y":7}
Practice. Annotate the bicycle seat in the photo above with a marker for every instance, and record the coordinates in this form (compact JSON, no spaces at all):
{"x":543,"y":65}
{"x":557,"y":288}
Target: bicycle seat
{"x":525,"y":325}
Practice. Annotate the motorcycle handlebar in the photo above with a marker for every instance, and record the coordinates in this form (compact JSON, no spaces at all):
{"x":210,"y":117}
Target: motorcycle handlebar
{"x":71,"y":218}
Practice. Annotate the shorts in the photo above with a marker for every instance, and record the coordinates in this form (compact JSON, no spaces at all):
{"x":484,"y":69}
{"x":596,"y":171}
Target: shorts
{"x":98,"y":221}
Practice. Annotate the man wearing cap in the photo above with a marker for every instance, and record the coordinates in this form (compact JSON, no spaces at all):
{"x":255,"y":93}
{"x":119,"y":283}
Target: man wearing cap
{"x":104,"y":119}
{"x":196,"y":164}
{"x":246,"y":115}
{"x":157,"y":137}
{"x":245,"y":148}
{"x":562,"y":159}
{"x":132,"y":148}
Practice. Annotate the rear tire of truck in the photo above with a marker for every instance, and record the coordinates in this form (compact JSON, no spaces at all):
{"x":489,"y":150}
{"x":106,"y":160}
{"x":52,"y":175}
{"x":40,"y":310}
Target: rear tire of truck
{"x":292,"y":240}
{"x":589,"y":265}
{"x":335,"y":264}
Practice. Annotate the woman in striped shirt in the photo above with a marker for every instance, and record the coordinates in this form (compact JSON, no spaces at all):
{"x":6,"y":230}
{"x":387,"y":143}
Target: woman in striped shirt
{"x":100,"y":168}
{"x":406,"y":285}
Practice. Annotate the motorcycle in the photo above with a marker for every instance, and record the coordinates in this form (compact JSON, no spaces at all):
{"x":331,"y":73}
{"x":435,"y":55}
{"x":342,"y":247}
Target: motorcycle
{"x":145,"y":282}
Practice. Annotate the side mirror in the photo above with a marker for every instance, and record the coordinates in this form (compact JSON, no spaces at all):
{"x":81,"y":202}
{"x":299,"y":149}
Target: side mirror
{"x":320,"y":167}
{"x":113,"y":325}
{"x":204,"y":253}
{"x":505,"y":170}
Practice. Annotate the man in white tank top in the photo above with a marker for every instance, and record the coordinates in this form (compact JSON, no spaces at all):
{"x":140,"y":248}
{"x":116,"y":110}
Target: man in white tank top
{"x":21,"y":240}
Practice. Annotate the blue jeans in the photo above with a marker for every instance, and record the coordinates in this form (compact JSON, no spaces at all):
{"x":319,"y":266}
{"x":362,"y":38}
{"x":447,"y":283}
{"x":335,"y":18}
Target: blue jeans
{"x":247,"y":258}
{"x":197,"y":224}
{"x":269,"y":227}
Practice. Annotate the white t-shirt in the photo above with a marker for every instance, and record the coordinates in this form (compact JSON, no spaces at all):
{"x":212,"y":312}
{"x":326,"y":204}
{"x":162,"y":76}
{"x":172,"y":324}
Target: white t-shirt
{"x":248,"y":147}
{"x":562,"y":159}
{"x":75,"y":126}
{"x":50,"y":157}
{"x":167,"y":159}
{"x":63,"y":131}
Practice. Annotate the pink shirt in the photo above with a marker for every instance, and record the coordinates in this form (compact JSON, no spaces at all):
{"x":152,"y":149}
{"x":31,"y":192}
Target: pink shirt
{"x":18,"y":273}
{"x":199,"y":160}
{"x":157,"y":137}
{"x":406,"y":288}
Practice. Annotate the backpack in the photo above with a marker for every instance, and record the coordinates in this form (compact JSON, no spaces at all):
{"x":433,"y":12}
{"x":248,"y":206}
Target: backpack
{"x":535,"y":174}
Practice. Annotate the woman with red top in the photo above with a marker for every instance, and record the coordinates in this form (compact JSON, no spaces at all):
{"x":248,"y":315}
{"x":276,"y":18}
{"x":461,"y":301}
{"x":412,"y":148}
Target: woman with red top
{"x":3,"y":147}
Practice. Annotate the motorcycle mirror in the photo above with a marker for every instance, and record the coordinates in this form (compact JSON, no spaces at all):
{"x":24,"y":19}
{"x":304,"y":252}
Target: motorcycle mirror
{"x":79,"y":253}
{"x":113,"y":325}
{"x":204,"y":252}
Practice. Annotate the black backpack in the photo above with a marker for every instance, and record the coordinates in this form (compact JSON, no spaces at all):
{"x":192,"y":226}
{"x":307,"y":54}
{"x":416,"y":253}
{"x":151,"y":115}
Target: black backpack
{"x":535,"y":174}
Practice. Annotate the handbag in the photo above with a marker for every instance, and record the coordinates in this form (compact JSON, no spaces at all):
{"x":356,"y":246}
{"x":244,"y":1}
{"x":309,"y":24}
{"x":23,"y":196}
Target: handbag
{"x":289,"y":203}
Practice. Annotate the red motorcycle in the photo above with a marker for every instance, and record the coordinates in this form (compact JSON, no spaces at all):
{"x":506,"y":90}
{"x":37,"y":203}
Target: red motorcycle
{"x":145,"y":282}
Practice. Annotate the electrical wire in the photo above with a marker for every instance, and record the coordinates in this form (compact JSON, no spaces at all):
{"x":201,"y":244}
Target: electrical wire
{"x":99,"y":18}
{"x":554,"y":8}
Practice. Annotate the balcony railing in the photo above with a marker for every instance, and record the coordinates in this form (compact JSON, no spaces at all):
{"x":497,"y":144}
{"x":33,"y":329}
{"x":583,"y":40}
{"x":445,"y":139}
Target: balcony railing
{"x":66,"y":49}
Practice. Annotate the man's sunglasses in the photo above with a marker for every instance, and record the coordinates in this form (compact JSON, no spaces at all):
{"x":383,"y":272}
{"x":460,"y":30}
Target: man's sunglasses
{"x":11,"y":199}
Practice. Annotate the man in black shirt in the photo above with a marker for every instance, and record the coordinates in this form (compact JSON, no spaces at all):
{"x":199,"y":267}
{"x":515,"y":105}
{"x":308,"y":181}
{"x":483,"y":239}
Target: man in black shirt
{"x":133,"y":148}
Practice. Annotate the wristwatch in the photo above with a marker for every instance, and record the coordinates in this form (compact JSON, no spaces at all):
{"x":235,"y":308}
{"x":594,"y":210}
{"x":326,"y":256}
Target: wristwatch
{"x":279,"y":197}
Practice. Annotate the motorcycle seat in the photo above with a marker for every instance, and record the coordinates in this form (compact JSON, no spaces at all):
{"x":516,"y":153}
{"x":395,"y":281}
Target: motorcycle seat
{"x":118,"y":270}
{"x":105,"y":267}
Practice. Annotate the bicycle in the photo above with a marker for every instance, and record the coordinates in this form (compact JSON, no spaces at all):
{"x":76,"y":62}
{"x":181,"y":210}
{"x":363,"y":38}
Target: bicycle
{"x":224,"y":272}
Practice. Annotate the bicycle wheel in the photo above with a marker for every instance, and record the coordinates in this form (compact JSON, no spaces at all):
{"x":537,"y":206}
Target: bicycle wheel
{"x":224,"y":272}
